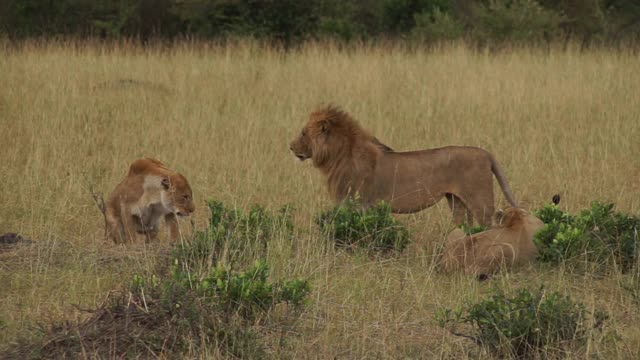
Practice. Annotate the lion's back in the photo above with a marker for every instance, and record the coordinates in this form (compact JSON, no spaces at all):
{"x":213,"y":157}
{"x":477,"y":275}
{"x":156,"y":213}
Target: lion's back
{"x":144,"y":175}
{"x":507,"y":244}
{"x":147,"y":166}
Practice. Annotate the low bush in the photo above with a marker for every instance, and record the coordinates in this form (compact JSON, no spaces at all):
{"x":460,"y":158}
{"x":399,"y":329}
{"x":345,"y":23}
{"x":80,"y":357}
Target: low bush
{"x":514,"y":22}
{"x":436,"y":26}
{"x":248,"y":292}
{"x":197,"y":306}
{"x":236,"y":236}
{"x":472,"y":229}
{"x":351,"y":226}
{"x":597,"y":235}
{"x":632,"y":285}
{"x":525,"y":325}
{"x":173,"y":315}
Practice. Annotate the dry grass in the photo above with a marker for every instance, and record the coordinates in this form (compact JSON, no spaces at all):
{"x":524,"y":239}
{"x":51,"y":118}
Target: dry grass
{"x":564,"y":122}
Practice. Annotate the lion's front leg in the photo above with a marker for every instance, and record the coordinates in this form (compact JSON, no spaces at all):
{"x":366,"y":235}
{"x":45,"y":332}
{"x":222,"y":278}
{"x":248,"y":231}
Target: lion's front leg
{"x":173,"y":230}
{"x":128,"y":225}
{"x":151,"y":234}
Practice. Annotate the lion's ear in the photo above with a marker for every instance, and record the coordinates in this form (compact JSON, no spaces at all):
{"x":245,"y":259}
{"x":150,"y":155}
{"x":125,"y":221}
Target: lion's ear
{"x":165,"y":183}
{"x":511,"y":217}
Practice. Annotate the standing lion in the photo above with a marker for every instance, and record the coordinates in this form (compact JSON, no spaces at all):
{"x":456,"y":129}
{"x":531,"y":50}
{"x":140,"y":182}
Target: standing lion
{"x":150,"y":191}
{"x":354,"y":161}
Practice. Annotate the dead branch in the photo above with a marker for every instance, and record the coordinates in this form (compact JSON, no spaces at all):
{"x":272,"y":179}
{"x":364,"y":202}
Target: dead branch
{"x":98,"y":199}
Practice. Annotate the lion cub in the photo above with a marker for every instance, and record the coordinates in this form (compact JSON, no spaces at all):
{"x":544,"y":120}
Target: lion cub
{"x":510,"y":243}
{"x":148,"y":192}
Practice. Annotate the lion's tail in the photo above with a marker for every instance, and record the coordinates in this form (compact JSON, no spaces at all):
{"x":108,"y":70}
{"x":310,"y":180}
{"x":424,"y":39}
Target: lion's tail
{"x":506,"y":190}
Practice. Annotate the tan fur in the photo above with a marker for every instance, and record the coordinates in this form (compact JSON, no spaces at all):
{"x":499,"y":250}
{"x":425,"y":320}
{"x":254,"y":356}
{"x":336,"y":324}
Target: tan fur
{"x":148,"y":192}
{"x":355,"y":161}
{"x":508,"y":244}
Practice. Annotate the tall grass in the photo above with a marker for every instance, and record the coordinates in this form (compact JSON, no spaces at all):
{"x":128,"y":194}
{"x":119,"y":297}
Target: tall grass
{"x":74,"y":117}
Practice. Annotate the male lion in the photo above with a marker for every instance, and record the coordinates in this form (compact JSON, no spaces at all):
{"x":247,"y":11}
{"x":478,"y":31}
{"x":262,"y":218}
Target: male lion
{"x":148,"y":192}
{"x":509,"y":244}
{"x":356,"y":162}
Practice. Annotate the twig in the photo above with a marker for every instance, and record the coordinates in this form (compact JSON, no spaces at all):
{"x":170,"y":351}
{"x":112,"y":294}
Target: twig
{"x":98,"y":199}
{"x":472,"y":338}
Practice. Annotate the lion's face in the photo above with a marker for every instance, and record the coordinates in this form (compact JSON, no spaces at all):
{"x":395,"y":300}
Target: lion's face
{"x":301,"y":145}
{"x":178,"y":197}
{"x":324,"y":136}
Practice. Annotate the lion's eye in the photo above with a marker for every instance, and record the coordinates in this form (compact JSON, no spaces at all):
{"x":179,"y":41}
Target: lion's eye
{"x":187,"y":197}
{"x":304,"y":133}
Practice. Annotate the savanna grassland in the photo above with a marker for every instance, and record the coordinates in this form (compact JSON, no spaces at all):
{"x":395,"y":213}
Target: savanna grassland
{"x":72,"y":118}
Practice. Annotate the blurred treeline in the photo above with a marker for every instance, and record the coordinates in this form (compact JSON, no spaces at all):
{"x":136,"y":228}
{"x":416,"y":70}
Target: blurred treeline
{"x":486,"y":22}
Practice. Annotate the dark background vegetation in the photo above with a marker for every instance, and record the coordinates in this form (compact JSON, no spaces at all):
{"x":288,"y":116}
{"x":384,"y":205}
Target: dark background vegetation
{"x":609,"y":22}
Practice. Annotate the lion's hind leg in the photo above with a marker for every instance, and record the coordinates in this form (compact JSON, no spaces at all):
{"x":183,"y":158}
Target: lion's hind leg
{"x":129,"y":225}
{"x":483,"y":214}
{"x":481,"y":207}
{"x":461,"y":213}
{"x":114,"y":229}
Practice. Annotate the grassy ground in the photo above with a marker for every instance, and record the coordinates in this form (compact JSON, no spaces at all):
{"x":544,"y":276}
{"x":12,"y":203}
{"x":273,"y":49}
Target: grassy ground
{"x":75,"y":117}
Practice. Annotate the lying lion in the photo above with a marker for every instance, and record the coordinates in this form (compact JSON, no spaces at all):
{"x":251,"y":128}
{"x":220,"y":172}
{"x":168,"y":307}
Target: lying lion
{"x":356,"y":162}
{"x":508,"y":244}
{"x":148,"y":192}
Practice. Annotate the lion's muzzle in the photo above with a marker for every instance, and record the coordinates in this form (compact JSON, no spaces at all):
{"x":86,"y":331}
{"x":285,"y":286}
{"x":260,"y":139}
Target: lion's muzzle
{"x":183,"y":213}
{"x":300,"y":157}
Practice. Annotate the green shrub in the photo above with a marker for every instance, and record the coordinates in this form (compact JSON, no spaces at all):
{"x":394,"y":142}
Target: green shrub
{"x":348,"y":20}
{"x":241,"y":236}
{"x":553,"y":214}
{"x":245,"y":292}
{"x":473,"y":229}
{"x":597,"y":235}
{"x":632,"y":286}
{"x":172,"y":314}
{"x":398,"y":16}
{"x":516,"y":22}
{"x":289,"y":22}
{"x":196,"y":306}
{"x":258,"y":225}
{"x":434,"y":26}
{"x":524,"y":325}
{"x":153,"y":317}
{"x":372,"y":229}
{"x":236,"y":235}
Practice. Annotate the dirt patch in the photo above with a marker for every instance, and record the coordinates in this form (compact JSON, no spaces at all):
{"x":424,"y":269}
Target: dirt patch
{"x":10,"y":241}
{"x":143,"y":323}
